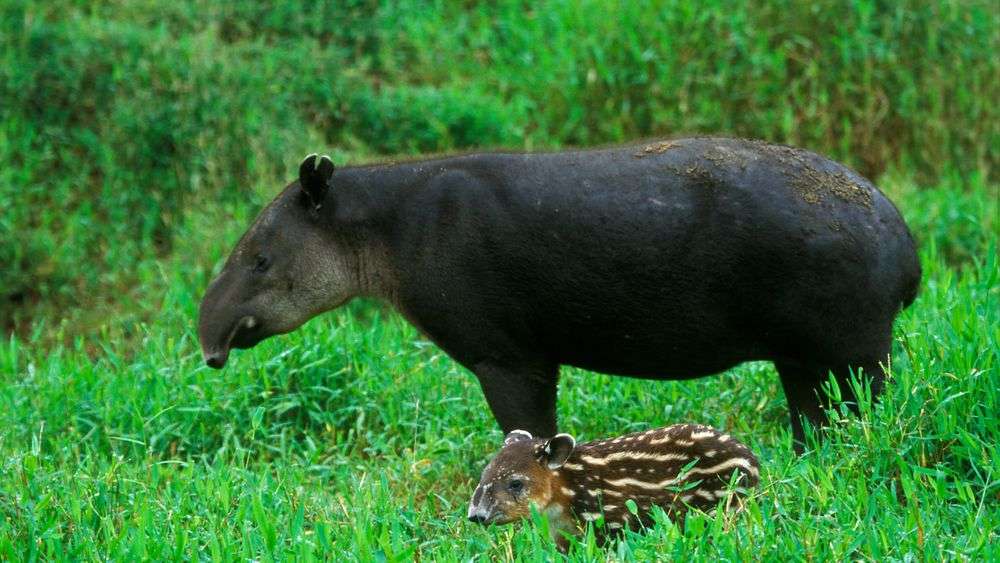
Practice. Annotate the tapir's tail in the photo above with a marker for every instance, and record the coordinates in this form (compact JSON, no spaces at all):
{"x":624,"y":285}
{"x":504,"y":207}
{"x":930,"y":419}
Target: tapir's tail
{"x":912,"y":286}
{"x":910,"y":270}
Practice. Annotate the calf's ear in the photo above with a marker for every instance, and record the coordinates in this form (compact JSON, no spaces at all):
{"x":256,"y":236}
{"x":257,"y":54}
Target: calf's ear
{"x":516,"y":436}
{"x":557,"y":450}
{"x":315,"y":174}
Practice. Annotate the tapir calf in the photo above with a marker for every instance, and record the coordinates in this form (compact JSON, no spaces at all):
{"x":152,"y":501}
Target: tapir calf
{"x":669,"y":260}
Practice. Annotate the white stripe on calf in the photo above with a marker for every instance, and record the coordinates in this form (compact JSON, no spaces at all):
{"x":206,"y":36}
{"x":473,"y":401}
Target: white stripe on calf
{"x":704,"y":494}
{"x":634,"y":456}
{"x":728,"y":464}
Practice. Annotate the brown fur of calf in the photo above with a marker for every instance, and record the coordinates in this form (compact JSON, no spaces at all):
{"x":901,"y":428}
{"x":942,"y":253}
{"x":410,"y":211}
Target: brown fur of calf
{"x":676,"y":468}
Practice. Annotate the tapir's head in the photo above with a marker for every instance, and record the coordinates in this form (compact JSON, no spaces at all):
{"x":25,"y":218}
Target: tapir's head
{"x":288,"y":267}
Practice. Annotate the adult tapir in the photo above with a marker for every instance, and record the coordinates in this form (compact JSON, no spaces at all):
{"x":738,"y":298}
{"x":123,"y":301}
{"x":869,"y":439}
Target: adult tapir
{"x":670,"y":260}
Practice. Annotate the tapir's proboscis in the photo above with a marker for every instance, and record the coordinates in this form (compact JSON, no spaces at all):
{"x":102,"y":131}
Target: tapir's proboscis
{"x":666,"y":260}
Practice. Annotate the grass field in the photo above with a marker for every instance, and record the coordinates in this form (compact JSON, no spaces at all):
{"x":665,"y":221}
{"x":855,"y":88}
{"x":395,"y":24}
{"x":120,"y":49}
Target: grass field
{"x":355,"y":437}
{"x":140,"y":137}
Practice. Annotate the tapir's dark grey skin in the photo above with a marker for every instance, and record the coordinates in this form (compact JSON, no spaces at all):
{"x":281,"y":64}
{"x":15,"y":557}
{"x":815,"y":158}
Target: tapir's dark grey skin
{"x":670,"y":260}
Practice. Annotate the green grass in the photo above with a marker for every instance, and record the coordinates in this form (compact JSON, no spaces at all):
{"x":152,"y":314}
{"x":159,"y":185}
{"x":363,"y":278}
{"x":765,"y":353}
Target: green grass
{"x":354,"y":438}
{"x":139,"y":137}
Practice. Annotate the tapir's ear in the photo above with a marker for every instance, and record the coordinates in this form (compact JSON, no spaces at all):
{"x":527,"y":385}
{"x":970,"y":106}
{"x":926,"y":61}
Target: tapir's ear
{"x":315,"y":174}
{"x":516,"y":436}
{"x":557,"y":450}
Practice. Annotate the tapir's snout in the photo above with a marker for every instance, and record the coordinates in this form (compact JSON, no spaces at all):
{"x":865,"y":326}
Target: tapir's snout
{"x":479,"y":514}
{"x":219,"y":331}
{"x":216,"y":360}
{"x":477,"y":518}
{"x":242,"y":335}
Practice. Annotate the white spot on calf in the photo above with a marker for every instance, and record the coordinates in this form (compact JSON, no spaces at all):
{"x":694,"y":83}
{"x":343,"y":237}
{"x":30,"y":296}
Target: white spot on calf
{"x":702,"y":435}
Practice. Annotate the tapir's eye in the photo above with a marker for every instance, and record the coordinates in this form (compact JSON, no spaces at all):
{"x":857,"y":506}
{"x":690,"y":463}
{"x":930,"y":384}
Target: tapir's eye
{"x":515,"y":486}
{"x":261,"y":264}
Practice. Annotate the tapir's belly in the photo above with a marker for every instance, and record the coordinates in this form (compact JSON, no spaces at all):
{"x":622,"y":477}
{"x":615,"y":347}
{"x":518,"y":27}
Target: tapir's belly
{"x":667,"y":349}
{"x":652,"y":365}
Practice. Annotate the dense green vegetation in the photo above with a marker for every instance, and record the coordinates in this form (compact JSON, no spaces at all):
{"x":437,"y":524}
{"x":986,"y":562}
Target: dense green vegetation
{"x":139,"y":138}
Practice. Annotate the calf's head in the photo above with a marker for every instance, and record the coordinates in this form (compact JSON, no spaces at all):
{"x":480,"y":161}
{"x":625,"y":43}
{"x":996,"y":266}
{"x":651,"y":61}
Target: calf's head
{"x":290,"y":265}
{"x":524,"y":473}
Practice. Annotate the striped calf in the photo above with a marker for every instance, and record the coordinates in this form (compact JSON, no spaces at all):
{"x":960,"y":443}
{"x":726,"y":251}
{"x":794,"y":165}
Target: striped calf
{"x":679,"y":467}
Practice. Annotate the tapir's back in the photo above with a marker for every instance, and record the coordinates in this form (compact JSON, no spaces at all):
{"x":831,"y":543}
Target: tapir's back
{"x":601,"y":257}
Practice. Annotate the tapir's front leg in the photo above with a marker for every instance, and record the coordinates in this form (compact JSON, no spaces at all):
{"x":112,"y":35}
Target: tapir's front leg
{"x":522,"y":397}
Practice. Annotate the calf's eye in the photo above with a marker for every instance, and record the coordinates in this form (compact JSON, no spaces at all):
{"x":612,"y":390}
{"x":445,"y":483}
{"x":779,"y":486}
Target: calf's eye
{"x":515,"y":486}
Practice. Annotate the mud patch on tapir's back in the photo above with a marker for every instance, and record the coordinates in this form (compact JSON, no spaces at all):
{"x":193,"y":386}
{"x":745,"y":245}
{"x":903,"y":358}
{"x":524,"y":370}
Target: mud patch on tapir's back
{"x":811,"y":183}
{"x":655,"y":148}
{"x":814,"y":184}
{"x":723,"y":156}
{"x":701,"y":176}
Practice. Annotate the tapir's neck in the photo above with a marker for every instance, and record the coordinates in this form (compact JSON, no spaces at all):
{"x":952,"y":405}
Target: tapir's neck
{"x":363,"y":213}
{"x":373,"y":274}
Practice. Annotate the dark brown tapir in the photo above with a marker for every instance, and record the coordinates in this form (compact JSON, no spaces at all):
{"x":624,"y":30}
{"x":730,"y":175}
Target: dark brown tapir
{"x":668,"y":260}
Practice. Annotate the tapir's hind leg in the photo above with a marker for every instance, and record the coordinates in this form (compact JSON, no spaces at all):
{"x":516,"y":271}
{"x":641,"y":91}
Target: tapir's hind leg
{"x":803,"y":385}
